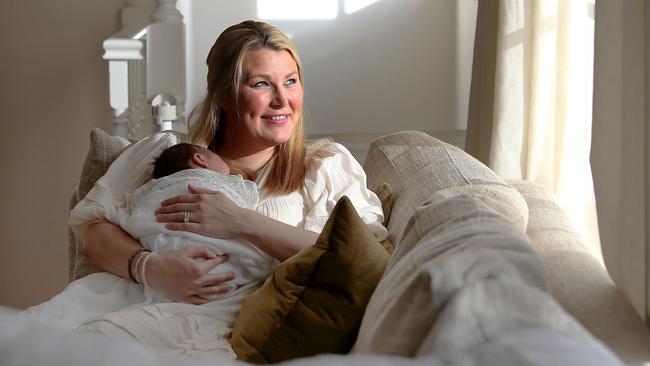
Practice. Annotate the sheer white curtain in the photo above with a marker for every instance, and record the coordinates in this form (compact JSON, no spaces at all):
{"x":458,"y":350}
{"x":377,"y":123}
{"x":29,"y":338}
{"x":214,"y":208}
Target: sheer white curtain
{"x":530,"y":102}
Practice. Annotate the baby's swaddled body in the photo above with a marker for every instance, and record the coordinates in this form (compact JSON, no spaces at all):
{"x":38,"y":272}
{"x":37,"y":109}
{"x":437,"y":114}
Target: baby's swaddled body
{"x":248,"y":263}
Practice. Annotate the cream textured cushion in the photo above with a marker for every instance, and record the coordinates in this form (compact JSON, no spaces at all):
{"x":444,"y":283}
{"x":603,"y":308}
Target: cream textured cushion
{"x":579,"y":282}
{"x":103,"y":150}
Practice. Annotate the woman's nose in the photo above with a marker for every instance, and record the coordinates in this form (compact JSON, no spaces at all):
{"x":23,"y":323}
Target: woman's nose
{"x":279,"y":98}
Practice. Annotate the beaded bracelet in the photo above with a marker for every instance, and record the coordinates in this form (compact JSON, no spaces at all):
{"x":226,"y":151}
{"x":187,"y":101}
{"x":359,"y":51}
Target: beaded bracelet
{"x":130,"y":263}
{"x":143,"y":271}
{"x":137,"y":263}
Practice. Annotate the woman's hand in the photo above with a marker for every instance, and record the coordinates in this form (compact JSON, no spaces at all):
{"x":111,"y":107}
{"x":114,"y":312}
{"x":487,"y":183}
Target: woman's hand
{"x":183,"y":276}
{"x":211,"y":213}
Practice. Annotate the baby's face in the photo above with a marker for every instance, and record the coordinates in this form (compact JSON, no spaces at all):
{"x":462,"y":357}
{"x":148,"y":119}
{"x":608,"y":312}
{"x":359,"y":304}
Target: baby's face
{"x":215,"y":163}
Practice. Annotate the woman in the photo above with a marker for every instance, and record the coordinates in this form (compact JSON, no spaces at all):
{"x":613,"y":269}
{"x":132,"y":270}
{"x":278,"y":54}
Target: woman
{"x":252,"y":117}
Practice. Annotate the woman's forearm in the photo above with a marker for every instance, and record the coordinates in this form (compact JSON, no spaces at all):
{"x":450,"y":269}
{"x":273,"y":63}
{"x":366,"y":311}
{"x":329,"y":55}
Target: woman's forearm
{"x":177,"y":273}
{"x":109,"y":247}
{"x":273,"y":237}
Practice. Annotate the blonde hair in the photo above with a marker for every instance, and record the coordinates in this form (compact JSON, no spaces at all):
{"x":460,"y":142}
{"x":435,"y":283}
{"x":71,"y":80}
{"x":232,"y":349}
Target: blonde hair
{"x":225,"y":62}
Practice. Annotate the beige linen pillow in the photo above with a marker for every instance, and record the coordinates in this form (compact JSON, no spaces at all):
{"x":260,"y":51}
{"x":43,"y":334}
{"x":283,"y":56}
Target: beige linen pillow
{"x":103,"y":150}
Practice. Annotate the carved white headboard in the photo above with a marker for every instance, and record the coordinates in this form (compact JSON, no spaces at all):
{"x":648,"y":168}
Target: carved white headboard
{"x":146,"y":62}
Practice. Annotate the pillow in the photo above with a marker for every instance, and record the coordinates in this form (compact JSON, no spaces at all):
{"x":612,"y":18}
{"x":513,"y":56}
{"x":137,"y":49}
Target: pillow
{"x":103,"y":149}
{"x":315,"y":300}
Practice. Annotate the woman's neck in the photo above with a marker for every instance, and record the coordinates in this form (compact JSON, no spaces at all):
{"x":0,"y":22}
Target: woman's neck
{"x":252,"y":161}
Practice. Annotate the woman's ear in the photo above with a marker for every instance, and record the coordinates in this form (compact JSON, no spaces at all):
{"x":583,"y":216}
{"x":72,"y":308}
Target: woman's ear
{"x":199,"y":160}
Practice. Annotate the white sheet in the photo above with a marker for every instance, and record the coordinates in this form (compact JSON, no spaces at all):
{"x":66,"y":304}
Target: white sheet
{"x":30,"y":342}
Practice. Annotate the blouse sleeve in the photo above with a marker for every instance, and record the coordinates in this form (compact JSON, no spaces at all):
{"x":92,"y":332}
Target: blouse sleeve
{"x":332,"y":174}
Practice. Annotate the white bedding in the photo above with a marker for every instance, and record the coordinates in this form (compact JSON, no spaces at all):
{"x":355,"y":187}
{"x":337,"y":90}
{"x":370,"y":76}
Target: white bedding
{"x":30,"y":342}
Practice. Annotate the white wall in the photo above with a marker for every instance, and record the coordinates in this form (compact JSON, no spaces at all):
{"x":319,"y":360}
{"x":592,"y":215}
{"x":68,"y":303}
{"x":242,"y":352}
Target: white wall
{"x":390,"y":66}
{"x":53,"y":90}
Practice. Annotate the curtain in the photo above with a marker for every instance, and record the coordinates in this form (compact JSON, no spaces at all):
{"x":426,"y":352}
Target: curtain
{"x":530,"y":99}
{"x":621,"y":133}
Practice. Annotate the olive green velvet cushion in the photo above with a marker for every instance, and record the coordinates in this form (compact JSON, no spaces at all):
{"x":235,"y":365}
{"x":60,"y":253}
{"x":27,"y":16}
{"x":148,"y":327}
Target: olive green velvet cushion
{"x":316,"y":299}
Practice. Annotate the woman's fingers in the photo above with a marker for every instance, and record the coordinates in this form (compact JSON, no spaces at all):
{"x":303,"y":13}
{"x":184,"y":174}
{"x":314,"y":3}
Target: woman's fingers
{"x":210,"y":213}
{"x":172,"y":217}
{"x":216,"y":279}
{"x":195,"y":217}
{"x":180,"y":226}
{"x":198,"y":190}
{"x":183,"y":198}
{"x":204,"y":252}
{"x":175,"y":207}
{"x":195,"y":299}
{"x":187,"y":198}
{"x":208,"y":265}
{"x":215,"y":290}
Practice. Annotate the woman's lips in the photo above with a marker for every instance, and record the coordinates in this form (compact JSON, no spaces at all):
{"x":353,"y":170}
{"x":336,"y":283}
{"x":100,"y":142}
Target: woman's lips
{"x":277,"y":118}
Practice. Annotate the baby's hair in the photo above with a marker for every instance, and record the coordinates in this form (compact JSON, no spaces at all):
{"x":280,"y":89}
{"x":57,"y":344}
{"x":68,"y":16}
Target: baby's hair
{"x":174,"y":159}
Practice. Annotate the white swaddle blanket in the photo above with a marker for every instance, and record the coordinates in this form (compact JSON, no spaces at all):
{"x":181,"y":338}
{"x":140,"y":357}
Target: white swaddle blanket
{"x":245,"y":260}
{"x":117,"y":307}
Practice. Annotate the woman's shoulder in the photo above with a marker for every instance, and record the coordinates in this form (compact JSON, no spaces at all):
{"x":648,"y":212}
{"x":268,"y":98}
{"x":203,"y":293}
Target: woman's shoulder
{"x":324,"y":148}
{"x":329,"y":158}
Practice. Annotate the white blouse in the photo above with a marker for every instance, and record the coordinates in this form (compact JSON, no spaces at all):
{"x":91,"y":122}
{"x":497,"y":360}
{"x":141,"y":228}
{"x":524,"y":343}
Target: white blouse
{"x":332,"y":174}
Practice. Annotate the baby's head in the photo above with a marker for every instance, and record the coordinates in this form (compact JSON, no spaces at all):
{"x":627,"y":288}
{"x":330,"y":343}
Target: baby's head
{"x":187,"y":156}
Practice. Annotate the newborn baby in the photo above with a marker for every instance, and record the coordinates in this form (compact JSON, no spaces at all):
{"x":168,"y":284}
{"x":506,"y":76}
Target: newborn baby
{"x":174,"y":169}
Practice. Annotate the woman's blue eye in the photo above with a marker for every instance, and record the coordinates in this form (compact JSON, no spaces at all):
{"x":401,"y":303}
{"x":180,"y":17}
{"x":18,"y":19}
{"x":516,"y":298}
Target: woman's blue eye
{"x":290,"y":81}
{"x":260,"y":83}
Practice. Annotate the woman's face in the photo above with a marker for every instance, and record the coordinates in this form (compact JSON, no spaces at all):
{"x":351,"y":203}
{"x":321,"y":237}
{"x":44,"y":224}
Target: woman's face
{"x":270,"y":101}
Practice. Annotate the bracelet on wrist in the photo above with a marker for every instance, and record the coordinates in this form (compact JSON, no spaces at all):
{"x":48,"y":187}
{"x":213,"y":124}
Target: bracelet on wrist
{"x":143,"y":271}
{"x":134,"y":259}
